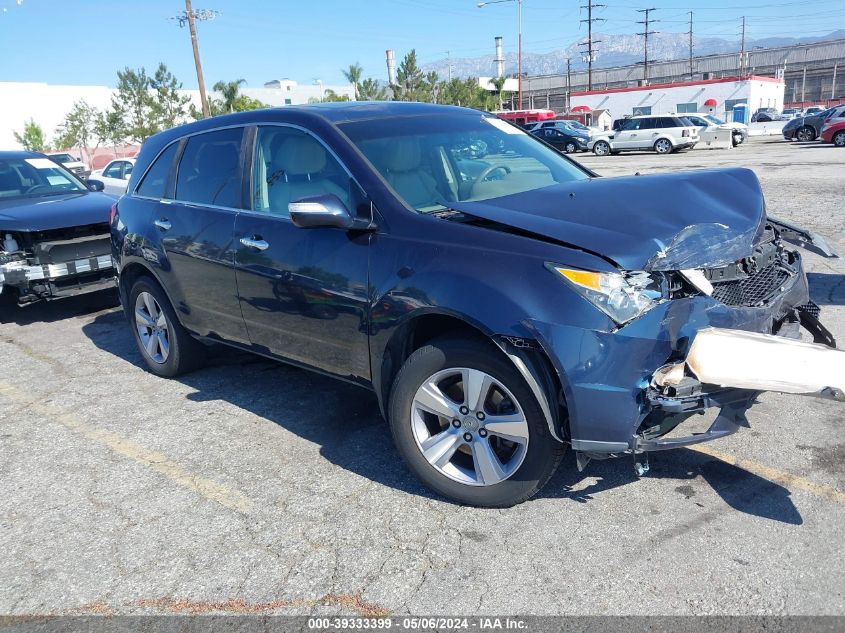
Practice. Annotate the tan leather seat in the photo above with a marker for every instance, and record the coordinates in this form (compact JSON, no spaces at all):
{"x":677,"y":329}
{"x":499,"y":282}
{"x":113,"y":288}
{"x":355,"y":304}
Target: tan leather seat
{"x":403,"y":162}
{"x":298,"y":167}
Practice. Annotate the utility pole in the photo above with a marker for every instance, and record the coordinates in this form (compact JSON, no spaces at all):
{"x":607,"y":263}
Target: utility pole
{"x":645,"y":35}
{"x":742,"y":51}
{"x":690,"y":46}
{"x":590,"y":43}
{"x":189,"y":16}
{"x":568,"y":85}
{"x":449,"y":61}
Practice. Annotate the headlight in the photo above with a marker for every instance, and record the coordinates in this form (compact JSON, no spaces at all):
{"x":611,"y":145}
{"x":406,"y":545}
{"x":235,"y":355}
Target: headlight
{"x":621,"y":296}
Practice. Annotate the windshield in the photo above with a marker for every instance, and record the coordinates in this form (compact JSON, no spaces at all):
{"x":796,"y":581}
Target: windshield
{"x":577,"y":125}
{"x":714,"y":119}
{"x":62,"y":158}
{"x":35,"y":177}
{"x":433,"y":160}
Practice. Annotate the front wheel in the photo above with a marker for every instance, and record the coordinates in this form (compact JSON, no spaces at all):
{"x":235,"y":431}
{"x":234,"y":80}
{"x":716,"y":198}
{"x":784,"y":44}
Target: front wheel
{"x":601,"y":148}
{"x":571,"y":148}
{"x":839,"y":139}
{"x":663,"y":146}
{"x":806,"y":134}
{"x":469,"y":427}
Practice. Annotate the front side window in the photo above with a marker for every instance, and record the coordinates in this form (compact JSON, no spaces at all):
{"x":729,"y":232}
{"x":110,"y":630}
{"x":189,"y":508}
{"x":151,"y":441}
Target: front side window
{"x":154,"y":184}
{"x":34,"y":178}
{"x":209,"y":171}
{"x":289,"y":165}
{"x":432,"y":160}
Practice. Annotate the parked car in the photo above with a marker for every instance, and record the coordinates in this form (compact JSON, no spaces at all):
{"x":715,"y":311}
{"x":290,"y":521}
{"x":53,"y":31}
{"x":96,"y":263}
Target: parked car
{"x":663,"y":134}
{"x":71,"y":163}
{"x":816,"y":109}
{"x":834,"y":132}
{"x":791,"y":113}
{"x":565,"y":141}
{"x":808,"y":128}
{"x":54,"y":233}
{"x":498,"y":315}
{"x":115,"y":175}
{"x":569,"y":126}
{"x":765,"y":115}
{"x":709,"y":127}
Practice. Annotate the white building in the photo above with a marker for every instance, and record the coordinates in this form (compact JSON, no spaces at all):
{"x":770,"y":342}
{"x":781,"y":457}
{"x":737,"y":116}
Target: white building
{"x":718,"y":96}
{"x":47,"y":104}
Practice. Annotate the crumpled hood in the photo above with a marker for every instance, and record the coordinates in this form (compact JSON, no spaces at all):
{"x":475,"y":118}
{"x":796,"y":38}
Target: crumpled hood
{"x":674,"y":221}
{"x":54,"y":212}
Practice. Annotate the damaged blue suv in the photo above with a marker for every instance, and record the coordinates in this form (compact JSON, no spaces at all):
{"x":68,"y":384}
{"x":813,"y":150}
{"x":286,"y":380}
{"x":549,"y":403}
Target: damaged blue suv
{"x":501,"y":305}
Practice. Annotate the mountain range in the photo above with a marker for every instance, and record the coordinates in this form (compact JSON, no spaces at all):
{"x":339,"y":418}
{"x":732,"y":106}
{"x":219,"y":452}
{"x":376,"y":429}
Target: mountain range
{"x":614,"y":50}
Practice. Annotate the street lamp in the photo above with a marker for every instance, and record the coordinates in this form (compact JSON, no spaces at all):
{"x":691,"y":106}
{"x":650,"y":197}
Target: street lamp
{"x":519,"y":53}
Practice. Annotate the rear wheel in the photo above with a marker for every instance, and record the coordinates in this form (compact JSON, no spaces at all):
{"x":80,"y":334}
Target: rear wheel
{"x":663,"y":146}
{"x":167,"y":347}
{"x":806,"y":134}
{"x":839,"y":139}
{"x":601,"y":148}
{"x":737,"y":139}
{"x":469,"y":426}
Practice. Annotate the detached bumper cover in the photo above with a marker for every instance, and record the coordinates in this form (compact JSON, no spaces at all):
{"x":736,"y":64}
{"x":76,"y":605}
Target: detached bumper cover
{"x":607,"y":375}
{"x":22,"y":275}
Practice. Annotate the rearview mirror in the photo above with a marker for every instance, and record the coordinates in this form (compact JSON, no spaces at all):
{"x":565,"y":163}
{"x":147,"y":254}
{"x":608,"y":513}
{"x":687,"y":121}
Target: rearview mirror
{"x":95,"y":185}
{"x":326,"y":210}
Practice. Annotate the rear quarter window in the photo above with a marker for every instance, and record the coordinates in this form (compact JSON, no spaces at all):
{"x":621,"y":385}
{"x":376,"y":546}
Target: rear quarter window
{"x":154,"y":184}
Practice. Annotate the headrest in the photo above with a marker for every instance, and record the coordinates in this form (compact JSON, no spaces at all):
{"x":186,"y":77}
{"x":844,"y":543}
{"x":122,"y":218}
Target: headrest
{"x":403,"y":154}
{"x":300,"y":155}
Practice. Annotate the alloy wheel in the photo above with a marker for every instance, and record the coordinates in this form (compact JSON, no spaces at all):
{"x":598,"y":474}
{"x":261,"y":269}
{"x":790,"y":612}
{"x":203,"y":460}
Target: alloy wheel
{"x":663,"y":146}
{"x":839,"y":139}
{"x":469,"y":426}
{"x":570,"y":148}
{"x":153,"y":329}
{"x":806,"y":134}
{"x":601,"y":148}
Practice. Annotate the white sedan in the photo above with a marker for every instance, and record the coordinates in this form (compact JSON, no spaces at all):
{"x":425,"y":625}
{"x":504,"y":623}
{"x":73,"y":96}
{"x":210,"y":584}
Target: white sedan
{"x":115,"y":175}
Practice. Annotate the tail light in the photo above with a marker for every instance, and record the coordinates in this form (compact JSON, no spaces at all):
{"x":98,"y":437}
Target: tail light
{"x":112,"y":213}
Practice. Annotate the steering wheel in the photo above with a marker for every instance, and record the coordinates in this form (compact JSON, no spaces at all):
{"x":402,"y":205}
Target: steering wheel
{"x":35,"y":188}
{"x":486,"y":173}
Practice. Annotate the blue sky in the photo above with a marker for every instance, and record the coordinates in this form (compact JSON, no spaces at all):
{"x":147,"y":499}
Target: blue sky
{"x":86,"y":41}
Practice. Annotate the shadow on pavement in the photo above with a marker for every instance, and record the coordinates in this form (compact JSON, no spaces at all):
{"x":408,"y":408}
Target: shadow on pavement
{"x":59,"y":309}
{"x":345,"y":421}
{"x":827,"y":289}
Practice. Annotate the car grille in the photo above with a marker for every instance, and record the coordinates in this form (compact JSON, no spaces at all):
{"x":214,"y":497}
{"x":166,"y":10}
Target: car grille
{"x":752,"y":290}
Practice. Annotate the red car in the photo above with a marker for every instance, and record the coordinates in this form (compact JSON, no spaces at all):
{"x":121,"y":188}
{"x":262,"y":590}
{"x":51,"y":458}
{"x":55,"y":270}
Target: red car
{"x":834,"y":133}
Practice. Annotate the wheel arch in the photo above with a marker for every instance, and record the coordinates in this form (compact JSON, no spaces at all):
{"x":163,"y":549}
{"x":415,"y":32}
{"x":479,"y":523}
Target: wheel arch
{"x":131,"y":272}
{"x":527,"y":356}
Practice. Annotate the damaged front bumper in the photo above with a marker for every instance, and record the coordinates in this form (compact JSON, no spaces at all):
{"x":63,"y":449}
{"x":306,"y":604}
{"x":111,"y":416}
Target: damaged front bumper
{"x":52,"y":281}
{"x":627,"y":389}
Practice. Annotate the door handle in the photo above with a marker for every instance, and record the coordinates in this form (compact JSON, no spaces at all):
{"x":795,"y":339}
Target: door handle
{"x":164,"y":224}
{"x":253,"y":242}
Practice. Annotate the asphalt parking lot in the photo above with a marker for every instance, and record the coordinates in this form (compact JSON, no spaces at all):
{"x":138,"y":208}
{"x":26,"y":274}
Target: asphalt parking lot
{"x":253,"y":487}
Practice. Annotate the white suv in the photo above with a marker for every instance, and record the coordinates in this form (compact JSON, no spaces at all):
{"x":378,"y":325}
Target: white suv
{"x":663,"y":134}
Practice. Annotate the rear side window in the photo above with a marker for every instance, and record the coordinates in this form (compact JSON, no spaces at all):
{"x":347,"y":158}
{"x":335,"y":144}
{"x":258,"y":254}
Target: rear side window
{"x":209,"y":172}
{"x":154,"y":184}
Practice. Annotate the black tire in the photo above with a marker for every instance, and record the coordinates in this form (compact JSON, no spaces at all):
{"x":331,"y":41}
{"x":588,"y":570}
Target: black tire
{"x":806,"y":134}
{"x":185,"y":353}
{"x":736,"y":139}
{"x":663,"y":146}
{"x":839,"y":139}
{"x":601,"y":148}
{"x":541,"y":457}
{"x":571,"y":148}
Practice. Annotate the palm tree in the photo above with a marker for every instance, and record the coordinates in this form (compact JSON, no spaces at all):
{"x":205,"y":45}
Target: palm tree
{"x":499,"y":85}
{"x":230,"y":91}
{"x":353,"y":75}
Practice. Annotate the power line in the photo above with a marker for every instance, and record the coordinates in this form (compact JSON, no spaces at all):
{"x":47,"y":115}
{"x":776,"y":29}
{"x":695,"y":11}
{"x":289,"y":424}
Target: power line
{"x":645,"y":35}
{"x":590,"y":43}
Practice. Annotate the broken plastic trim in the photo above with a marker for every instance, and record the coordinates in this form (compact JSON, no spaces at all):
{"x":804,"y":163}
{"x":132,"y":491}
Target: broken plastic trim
{"x":760,"y":362}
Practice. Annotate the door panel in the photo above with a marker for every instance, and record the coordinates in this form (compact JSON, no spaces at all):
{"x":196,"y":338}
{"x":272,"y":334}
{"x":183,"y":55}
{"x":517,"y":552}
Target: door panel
{"x":304,"y":295}
{"x":197,"y":235}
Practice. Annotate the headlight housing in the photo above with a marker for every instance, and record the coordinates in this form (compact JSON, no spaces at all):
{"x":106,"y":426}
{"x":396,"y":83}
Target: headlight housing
{"x":621,"y":296}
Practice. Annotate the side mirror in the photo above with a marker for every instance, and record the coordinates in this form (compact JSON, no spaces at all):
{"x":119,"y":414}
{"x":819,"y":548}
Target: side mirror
{"x":326,"y":210}
{"x":96,"y":185}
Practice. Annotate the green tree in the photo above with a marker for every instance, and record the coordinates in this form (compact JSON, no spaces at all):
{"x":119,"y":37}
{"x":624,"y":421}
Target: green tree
{"x":110,"y":128}
{"x":32,"y":139}
{"x":331,"y":95}
{"x":499,"y":86}
{"x":78,"y":128}
{"x":169,"y":104}
{"x":229,"y":91}
{"x":353,"y":75}
{"x":135,"y":102}
{"x":411,"y":83}
{"x":466,"y":93}
{"x":372,"y":90}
